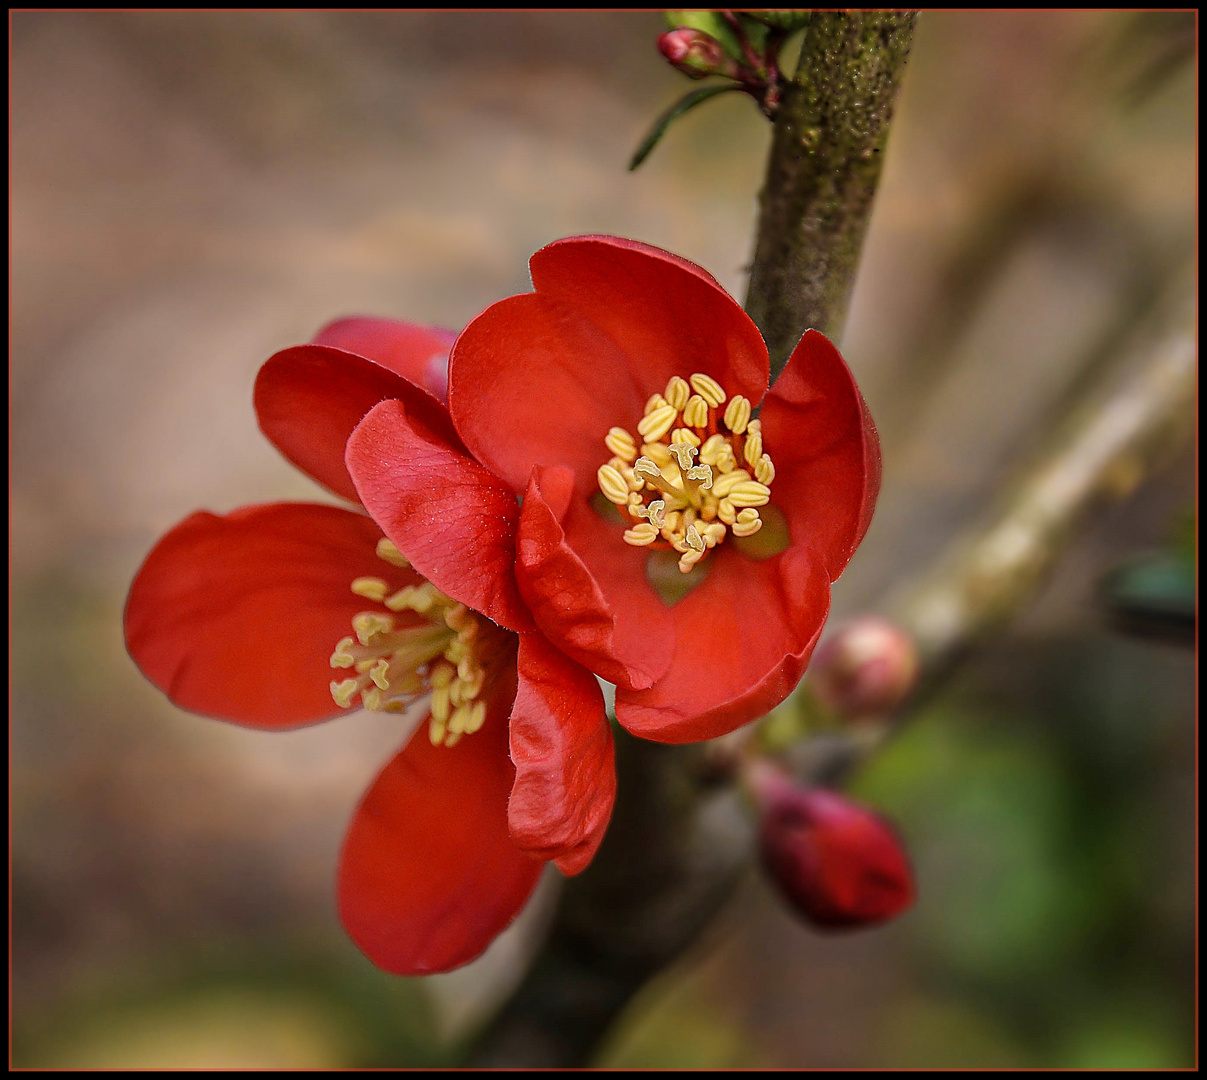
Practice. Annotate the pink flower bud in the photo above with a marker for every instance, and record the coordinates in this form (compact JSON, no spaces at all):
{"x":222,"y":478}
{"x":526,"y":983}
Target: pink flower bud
{"x":696,"y":53}
{"x":865,"y":669}
{"x":834,"y":861}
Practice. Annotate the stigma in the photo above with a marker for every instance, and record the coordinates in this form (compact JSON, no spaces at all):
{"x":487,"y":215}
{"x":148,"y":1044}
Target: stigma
{"x":414,"y":642}
{"x":694,"y":473}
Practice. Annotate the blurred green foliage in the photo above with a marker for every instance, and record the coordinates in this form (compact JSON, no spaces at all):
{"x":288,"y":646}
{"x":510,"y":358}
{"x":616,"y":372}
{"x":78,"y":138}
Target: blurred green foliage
{"x":1055,"y":880}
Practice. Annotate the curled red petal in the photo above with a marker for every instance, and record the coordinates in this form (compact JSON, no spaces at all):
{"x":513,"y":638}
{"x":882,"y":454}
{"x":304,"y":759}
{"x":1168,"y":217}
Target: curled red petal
{"x":817,"y":428}
{"x":742,"y":641}
{"x":418,"y":353}
{"x":586,"y":588}
{"x":561,"y":744}
{"x":236,"y":616}
{"x":310,"y":397}
{"x":428,"y":875}
{"x":454,"y":520}
{"x":539,"y":379}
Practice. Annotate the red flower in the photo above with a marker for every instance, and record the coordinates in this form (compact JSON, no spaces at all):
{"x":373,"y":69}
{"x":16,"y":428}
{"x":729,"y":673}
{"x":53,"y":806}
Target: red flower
{"x":630,"y":378}
{"x":238,"y":617}
{"x":834,"y":861}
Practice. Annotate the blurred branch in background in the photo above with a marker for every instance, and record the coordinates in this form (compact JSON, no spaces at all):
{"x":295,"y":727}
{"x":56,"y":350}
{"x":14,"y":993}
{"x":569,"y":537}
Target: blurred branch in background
{"x":1114,"y":438}
{"x":1123,"y":427}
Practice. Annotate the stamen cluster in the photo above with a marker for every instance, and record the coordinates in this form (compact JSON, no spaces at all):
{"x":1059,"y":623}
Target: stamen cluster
{"x":398,"y":658}
{"x":700,"y":472}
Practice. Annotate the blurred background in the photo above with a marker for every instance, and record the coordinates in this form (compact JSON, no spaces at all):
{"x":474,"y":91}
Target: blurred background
{"x":193,"y":191}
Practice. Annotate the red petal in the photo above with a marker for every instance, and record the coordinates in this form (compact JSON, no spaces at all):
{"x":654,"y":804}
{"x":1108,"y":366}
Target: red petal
{"x":818,"y":431}
{"x":309,"y":398}
{"x":428,"y":876}
{"x":454,"y":520}
{"x":561,"y":744}
{"x":418,"y":353}
{"x":586,"y":588}
{"x":236,"y":617}
{"x":742,"y":641}
{"x":539,"y":379}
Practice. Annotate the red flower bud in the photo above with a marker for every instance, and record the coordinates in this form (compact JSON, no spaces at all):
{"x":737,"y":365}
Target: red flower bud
{"x":834,"y":861}
{"x":865,"y":669}
{"x":696,"y":53}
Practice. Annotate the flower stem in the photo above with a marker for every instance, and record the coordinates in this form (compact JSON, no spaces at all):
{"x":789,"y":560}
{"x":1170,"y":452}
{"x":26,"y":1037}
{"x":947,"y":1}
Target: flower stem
{"x":830,"y":132}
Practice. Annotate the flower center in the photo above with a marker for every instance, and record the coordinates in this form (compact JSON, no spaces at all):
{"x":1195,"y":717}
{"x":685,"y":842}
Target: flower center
{"x":700,"y":472}
{"x":416,"y":642}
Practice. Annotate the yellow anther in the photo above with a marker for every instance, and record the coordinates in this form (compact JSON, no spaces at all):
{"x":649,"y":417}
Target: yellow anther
{"x":658,"y":452}
{"x":723,"y":485}
{"x":613,"y":485}
{"x":708,"y":388}
{"x":441,"y":675}
{"x":621,"y":443}
{"x":683,"y":454}
{"x":371,"y":588}
{"x":458,"y":618}
{"x":677,"y":392}
{"x":655,"y":402}
{"x":656,"y":424}
{"x":451,"y":739}
{"x":709,"y":510}
{"x":689,"y":559}
{"x":373,"y":699}
{"x":693,"y":539}
{"x":477,"y":717}
{"x":710,"y":452}
{"x":368,"y":625}
{"x":695,"y":412}
{"x":713,"y":534}
{"x":463,"y":690}
{"x":685,"y":435}
{"x":435,"y":731}
{"x":753,"y":450}
{"x":440,"y":703}
{"x":466,"y":668}
{"x":702,"y":473}
{"x":737,"y":414}
{"x":755,"y":425}
{"x":378,"y":674}
{"x":419,"y":598}
{"x":764,"y":471}
{"x":656,"y":512}
{"x":460,"y":717}
{"x":747,"y":526}
{"x":641,"y":534}
{"x":389,"y":553}
{"x":726,"y":462}
{"x":727,"y":512}
{"x":749,"y":493}
{"x":342,"y":657}
{"x":671,"y":522}
{"x":343,"y":692}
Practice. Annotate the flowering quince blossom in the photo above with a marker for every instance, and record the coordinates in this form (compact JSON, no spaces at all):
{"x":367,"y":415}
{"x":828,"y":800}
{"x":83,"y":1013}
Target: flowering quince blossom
{"x":486,"y":581}
{"x":243,"y":617}
{"x":629,"y":380}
